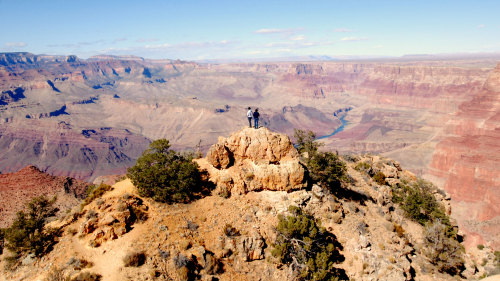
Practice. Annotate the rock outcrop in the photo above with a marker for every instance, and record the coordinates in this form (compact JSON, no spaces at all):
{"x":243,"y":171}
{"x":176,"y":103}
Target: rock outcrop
{"x":111,"y":219}
{"x":216,"y":238}
{"x":253,"y":160}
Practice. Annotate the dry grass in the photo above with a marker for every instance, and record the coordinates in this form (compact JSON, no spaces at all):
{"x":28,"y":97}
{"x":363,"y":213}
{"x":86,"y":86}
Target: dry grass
{"x":134,"y":259}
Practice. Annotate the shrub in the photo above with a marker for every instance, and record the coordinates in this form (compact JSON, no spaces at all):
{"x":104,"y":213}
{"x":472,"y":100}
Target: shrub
{"x":27,"y":233}
{"x":363,"y":167}
{"x":79,"y":264}
{"x":307,"y":247}
{"x":95,"y":191}
{"x":443,"y":251}
{"x":87,"y":276}
{"x":230,"y":231}
{"x":399,"y":230}
{"x":2,"y":240}
{"x":305,"y":141}
{"x":480,"y":246}
{"x":379,"y":178}
{"x":420,"y":205}
{"x":165,"y":175}
{"x":327,"y":169}
{"x":56,"y":274}
{"x":134,"y":259}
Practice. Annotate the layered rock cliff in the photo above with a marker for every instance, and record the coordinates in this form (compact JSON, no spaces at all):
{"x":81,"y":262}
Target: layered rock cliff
{"x":467,"y":160}
{"x":111,"y":107}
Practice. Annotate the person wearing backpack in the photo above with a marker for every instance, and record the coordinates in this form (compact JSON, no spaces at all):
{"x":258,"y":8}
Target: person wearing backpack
{"x":256,"y":118}
{"x":249,"y":116}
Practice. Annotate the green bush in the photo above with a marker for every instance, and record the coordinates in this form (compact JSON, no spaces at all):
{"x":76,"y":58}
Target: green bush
{"x":305,"y":141}
{"x":307,"y":247}
{"x":324,"y":168}
{"x":444,"y":251}
{"x":480,"y":246}
{"x":363,"y":167}
{"x":27,"y":235}
{"x":327,"y":169}
{"x":165,"y":175}
{"x":95,"y":191}
{"x":420,"y":205}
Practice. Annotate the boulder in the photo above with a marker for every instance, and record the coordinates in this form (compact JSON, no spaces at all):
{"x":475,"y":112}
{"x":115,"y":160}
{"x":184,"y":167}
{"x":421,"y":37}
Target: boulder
{"x":251,"y":247}
{"x":254,"y":160}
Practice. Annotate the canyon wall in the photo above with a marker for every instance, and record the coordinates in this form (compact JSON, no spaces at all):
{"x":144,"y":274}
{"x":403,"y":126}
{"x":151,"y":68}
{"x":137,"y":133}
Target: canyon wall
{"x":468,"y":158}
{"x":87,"y":118}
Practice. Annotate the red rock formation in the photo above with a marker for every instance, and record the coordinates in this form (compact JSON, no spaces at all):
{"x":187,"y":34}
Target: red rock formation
{"x":16,"y":189}
{"x":468,"y":159}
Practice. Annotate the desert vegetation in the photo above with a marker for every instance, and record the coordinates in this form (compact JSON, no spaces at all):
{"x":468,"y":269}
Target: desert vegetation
{"x":2,"y":240}
{"x":27,"y":234}
{"x":94,"y":192}
{"x":325,"y":168}
{"x":134,"y":259}
{"x":165,"y":175}
{"x":419,"y":204}
{"x":307,"y":247}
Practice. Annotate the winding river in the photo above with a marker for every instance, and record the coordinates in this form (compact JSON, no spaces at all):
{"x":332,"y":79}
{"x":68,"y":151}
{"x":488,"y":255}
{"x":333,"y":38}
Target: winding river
{"x":339,"y":129}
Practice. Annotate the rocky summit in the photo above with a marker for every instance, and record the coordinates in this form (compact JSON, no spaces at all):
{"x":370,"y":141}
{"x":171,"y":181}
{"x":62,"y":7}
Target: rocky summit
{"x":231,"y":233}
{"x":253,"y":160}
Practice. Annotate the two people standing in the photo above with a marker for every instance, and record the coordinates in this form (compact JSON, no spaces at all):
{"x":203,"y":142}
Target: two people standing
{"x":255,"y":116}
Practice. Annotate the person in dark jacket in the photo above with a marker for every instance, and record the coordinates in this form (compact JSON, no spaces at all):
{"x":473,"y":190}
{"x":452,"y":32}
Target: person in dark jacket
{"x":256,"y":118}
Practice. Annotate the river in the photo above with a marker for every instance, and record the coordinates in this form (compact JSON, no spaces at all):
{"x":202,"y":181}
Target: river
{"x":338,"y":130}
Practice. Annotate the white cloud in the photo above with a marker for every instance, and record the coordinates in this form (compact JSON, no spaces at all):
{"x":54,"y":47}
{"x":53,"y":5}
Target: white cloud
{"x":341,"y":29}
{"x":158,"y":46}
{"x":298,"y":38}
{"x":277,"y":30}
{"x":481,"y":26}
{"x":353,"y":39}
{"x":15,"y":44}
{"x":78,"y":45}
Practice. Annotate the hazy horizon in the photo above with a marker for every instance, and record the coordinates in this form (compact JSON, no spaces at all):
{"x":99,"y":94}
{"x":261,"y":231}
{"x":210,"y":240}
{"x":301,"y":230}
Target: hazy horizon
{"x":223,"y":30}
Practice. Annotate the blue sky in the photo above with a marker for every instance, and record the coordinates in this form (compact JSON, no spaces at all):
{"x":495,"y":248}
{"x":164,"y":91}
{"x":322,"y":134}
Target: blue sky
{"x":197,"y":30}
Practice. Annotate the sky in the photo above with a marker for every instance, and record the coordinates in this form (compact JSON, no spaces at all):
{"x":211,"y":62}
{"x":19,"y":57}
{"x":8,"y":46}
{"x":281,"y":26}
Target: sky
{"x":205,"y":29}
